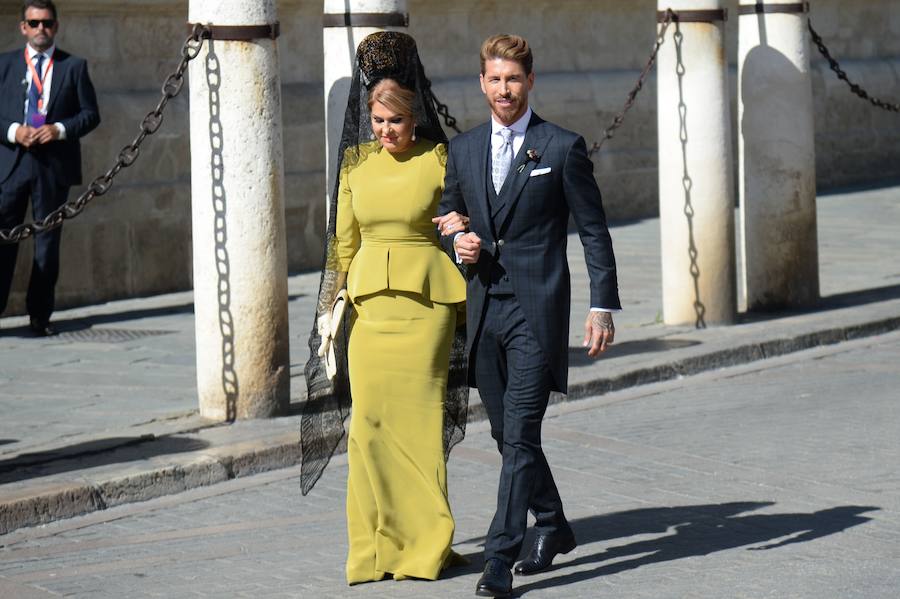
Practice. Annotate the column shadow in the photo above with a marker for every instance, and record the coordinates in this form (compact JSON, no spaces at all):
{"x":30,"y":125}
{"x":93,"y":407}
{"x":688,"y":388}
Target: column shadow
{"x":578,"y":355}
{"x":93,"y":454}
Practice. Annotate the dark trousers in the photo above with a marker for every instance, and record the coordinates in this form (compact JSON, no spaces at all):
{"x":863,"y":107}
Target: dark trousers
{"x":514,"y":382}
{"x":31,"y":179}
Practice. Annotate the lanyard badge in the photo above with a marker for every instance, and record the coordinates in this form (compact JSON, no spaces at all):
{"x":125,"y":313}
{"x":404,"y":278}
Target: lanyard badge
{"x":38,"y":117}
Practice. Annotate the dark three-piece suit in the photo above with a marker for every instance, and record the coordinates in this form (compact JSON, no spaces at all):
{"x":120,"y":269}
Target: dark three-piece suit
{"x":518,"y":301}
{"x":42,"y":173}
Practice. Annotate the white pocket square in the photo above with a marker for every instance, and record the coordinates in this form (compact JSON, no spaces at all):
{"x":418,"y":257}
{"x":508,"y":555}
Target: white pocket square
{"x":540,"y":171}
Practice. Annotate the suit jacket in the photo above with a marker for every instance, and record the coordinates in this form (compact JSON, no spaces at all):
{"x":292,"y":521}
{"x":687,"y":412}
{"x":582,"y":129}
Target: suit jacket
{"x":72,"y":102}
{"x":527,"y":231}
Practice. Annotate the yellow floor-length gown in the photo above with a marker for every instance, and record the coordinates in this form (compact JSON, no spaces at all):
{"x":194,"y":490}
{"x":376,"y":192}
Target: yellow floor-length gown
{"x":406,"y":293}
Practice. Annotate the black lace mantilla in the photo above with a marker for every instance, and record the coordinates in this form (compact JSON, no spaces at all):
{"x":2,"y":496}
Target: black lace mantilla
{"x":382,"y":55}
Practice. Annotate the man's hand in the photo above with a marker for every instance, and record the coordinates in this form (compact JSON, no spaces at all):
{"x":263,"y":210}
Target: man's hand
{"x":25,"y":136}
{"x":599,"y":332}
{"x":45,"y":134}
{"x":451,"y":223}
{"x":468,"y":248}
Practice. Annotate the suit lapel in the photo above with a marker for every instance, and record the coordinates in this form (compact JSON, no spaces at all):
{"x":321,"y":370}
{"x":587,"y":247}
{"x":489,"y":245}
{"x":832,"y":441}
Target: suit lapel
{"x":536,"y":139}
{"x":14,"y":76}
{"x":478,"y":163}
{"x":60,"y":69}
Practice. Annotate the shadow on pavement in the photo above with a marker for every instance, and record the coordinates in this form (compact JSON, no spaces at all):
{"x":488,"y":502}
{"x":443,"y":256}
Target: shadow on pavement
{"x":578,"y":355}
{"x":828,"y":302}
{"x":83,"y":323}
{"x":859,"y":298}
{"x":92,"y":454}
{"x":693,"y":531}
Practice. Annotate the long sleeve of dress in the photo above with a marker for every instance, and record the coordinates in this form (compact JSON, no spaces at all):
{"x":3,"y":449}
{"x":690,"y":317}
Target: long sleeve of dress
{"x":347,"y":236}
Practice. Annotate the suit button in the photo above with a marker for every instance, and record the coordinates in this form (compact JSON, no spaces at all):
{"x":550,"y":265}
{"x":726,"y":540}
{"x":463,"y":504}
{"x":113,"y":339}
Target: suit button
{"x":500,"y":243}
{"x":493,"y":246}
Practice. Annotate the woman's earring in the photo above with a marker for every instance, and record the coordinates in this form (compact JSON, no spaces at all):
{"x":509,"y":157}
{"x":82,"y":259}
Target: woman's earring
{"x":372,"y":136}
{"x":414,"y":134}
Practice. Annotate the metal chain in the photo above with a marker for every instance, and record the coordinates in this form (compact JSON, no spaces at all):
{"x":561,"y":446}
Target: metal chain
{"x":444,"y":112}
{"x":632,"y":96}
{"x":127,"y":156}
{"x":836,"y":67}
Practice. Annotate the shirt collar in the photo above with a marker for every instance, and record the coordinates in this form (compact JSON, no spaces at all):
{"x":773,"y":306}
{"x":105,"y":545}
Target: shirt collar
{"x":48,"y":52}
{"x":518,"y":127}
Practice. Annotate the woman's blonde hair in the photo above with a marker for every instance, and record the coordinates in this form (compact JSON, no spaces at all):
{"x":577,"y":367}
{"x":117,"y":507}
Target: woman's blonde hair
{"x":393,"y":96}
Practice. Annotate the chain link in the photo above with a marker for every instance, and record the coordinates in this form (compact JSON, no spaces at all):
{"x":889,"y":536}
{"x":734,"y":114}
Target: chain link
{"x":842,"y":75}
{"x":127,"y":156}
{"x":632,"y":95}
{"x":444,"y":112}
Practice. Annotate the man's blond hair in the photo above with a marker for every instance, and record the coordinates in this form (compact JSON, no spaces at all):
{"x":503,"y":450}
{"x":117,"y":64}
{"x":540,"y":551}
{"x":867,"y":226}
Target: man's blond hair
{"x":507,"y":47}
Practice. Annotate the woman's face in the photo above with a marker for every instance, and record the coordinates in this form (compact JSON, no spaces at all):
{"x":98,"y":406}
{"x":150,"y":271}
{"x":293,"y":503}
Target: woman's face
{"x":394,"y":131}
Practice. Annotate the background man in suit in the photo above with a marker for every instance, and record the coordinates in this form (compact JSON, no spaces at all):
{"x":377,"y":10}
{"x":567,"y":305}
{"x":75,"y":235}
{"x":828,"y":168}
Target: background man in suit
{"x":518,"y":178}
{"x":47,"y":102}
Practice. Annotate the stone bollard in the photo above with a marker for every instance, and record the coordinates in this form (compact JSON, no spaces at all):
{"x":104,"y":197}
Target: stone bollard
{"x":777,"y":156}
{"x":237,"y":190}
{"x":346,"y":23}
{"x":696,"y":177}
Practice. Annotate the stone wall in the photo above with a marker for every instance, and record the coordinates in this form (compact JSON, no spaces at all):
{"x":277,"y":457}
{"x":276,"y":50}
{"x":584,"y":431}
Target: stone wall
{"x":136,"y":240}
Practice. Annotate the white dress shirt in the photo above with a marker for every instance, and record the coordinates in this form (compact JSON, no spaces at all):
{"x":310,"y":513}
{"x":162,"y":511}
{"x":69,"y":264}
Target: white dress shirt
{"x":518,"y":128}
{"x":27,"y":82}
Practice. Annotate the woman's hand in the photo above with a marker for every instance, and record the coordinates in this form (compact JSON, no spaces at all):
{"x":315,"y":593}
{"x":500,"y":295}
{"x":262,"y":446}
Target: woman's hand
{"x":451,"y":223}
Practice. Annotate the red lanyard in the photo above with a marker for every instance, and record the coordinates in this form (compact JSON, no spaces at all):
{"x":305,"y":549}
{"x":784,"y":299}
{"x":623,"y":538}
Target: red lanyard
{"x":36,"y":79}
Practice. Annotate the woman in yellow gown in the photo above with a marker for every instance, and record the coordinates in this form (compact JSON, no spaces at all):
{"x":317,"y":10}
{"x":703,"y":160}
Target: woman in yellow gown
{"x":407,"y":297}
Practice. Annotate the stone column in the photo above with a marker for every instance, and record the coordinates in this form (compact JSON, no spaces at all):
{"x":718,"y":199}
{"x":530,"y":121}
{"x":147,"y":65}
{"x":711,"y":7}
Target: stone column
{"x":696,"y":178}
{"x":237,"y":189}
{"x":347,"y":22}
{"x":777,"y":158}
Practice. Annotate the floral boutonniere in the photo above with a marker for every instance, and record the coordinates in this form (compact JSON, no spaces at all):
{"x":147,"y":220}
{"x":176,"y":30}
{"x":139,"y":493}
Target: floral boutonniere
{"x":532,"y":156}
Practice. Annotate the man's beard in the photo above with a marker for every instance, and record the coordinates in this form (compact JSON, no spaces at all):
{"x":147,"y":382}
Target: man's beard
{"x":41,"y":43}
{"x":507,"y":109}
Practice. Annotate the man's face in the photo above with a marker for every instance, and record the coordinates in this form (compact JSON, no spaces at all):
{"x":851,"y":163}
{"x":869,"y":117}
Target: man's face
{"x":40,"y":37}
{"x":506,"y":87}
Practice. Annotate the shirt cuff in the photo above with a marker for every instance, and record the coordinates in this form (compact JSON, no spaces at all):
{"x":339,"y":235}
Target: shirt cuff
{"x":455,"y":237}
{"x":610,"y":310}
{"x":62,"y":130}
{"x":11,"y":132}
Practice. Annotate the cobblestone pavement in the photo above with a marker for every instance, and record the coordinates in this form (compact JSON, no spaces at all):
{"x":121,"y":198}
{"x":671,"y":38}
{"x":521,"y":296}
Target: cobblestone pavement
{"x":775,"y":479}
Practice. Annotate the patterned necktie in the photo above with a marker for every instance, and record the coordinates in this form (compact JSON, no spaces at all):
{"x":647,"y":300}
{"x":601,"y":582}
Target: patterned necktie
{"x":502,"y":160}
{"x":33,"y":93}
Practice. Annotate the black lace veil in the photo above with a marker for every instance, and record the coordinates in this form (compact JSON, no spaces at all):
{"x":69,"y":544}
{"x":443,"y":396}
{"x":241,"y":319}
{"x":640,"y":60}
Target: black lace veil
{"x":382,"y":55}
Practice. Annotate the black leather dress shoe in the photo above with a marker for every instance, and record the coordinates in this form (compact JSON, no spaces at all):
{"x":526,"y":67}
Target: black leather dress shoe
{"x":496,"y":580}
{"x":545,"y":548}
{"x":40,"y":328}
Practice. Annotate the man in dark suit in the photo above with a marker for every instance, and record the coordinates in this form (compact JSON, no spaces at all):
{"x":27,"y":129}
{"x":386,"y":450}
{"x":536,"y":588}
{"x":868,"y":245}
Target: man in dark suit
{"x":517,"y":178}
{"x":47,"y":102}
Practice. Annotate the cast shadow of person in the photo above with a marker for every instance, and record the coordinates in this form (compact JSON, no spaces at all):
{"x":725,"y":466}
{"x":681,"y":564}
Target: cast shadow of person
{"x":694,"y":531}
{"x":604,"y":527}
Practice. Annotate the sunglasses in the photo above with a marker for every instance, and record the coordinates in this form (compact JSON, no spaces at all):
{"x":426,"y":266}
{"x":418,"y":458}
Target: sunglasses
{"x":47,"y":23}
